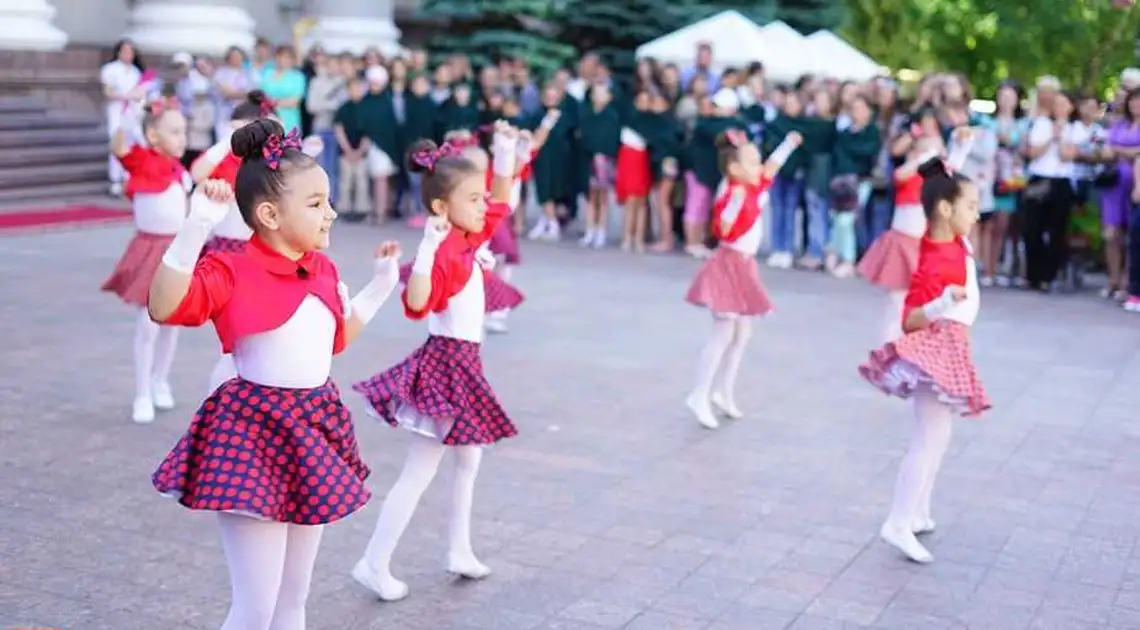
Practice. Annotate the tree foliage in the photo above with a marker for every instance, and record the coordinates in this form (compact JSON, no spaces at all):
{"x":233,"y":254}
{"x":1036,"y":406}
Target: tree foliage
{"x":1085,"y":43}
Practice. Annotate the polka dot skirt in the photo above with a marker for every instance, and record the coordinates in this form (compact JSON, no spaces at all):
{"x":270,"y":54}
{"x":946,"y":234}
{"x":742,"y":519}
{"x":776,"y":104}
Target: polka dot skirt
{"x":443,"y":379}
{"x":938,"y":356}
{"x":285,"y":455}
{"x":499,"y":294}
{"x":223,"y":244}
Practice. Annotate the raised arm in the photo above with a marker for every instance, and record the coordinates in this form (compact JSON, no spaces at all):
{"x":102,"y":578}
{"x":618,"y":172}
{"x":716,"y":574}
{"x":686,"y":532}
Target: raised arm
{"x":364,"y":305}
{"x":776,"y":161}
{"x":426,"y":277}
{"x":177,"y":279}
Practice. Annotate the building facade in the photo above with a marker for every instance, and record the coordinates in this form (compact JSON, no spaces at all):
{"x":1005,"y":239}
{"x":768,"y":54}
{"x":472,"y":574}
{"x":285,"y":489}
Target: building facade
{"x":198,"y":26}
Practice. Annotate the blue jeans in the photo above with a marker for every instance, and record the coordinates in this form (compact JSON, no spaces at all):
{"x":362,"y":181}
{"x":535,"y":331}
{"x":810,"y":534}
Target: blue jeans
{"x":329,"y":160}
{"x":817,"y":223}
{"x":415,"y":186}
{"x":843,"y":242}
{"x":876,"y":218}
{"x":785,"y":196}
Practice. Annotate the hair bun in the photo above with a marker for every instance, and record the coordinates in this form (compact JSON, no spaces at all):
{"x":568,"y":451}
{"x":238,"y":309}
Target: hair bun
{"x":934,"y":167}
{"x":256,"y":97}
{"x":249,"y":141}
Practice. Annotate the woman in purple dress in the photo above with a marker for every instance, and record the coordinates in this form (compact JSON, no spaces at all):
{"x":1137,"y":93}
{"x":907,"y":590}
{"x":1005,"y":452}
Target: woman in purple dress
{"x":1124,"y":140}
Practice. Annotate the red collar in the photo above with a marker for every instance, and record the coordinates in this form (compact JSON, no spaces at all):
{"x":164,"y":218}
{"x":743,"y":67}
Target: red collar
{"x":273,"y":262}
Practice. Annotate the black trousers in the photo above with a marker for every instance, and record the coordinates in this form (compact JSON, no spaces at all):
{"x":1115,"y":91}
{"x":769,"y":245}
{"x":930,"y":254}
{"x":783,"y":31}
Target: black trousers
{"x":1045,"y":210}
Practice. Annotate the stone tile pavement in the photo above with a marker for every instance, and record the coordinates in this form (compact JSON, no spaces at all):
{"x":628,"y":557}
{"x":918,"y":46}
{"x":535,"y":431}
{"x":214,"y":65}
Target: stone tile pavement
{"x":613,"y":509}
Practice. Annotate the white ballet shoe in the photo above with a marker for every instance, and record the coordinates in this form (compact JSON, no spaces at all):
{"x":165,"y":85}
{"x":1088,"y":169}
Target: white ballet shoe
{"x":702,"y":410}
{"x":143,"y":411}
{"x":467,"y":566}
{"x":904,"y":540}
{"x":386,"y":587}
{"x":922,"y":525}
{"x":162,"y":395}
{"x":726,"y":406}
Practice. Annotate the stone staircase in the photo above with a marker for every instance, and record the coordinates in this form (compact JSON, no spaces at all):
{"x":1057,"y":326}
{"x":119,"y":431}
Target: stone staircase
{"x":49,"y":155}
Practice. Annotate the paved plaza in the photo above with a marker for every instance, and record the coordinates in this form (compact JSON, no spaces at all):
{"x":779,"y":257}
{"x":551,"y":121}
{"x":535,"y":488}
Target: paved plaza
{"x":613,"y":508}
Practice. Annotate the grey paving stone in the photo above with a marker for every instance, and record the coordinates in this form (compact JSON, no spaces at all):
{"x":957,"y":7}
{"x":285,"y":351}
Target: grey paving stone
{"x":612,"y":509}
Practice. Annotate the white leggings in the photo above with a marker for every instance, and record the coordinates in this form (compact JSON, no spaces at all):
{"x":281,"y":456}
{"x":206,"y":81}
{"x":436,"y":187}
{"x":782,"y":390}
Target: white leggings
{"x":154,"y":353}
{"x":271,"y":567}
{"x":720,"y":360}
{"x":933,"y":424}
{"x":424,"y":455}
{"x":892,"y":316}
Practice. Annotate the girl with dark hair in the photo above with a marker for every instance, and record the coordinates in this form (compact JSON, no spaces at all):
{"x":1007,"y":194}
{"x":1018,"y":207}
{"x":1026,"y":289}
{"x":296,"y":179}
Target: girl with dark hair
{"x":273,"y":450}
{"x":1010,"y":180}
{"x":932,"y":362}
{"x":124,"y":82}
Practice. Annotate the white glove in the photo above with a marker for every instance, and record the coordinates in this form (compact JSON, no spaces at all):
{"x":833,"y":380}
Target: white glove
{"x":385,"y":277}
{"x":485,"y":258}
{"x":523,"y":148}
{"x":503,"y":148}
{"x":436,"y":230}
{"x":550,"y":119}
{"x":208,"y":206}
{"x":312,"y":146}
{"x":938,"y":307}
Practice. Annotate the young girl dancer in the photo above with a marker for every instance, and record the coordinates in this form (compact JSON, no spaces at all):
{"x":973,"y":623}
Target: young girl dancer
{"x":932,"y":362}
{"x":157,"y":187}
{"x":439,"y":392}
{"x":729,"y":283}
{"x":634,"y":175}
{"x":893,"y":257}
{"x":272,"y":451}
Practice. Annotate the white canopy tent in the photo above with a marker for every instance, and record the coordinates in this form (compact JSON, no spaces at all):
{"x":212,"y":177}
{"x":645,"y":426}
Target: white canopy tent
{"x":736,"y":41}
{"x":792,"y":46}
{"x":837,"y":59}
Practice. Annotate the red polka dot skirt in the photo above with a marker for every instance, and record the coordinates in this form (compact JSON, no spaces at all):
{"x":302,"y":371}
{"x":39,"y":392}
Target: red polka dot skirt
{"x":285,"y":455}
{"x":440,"y":384}
{"x":891,"y":260}
{"x":729,"y":284}
{"x":937,"y":356}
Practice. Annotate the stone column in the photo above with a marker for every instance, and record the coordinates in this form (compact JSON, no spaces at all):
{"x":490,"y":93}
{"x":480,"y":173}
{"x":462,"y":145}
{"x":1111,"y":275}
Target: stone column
{"x":354,"y":26}
{"x":26,"y":25}
{"x":194,"y":26}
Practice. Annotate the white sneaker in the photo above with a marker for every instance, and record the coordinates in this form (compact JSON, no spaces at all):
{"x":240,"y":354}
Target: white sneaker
{"x":553,"y":231}
{"x":702,"y":410}
{"x":538,"y":230}
{"x":986,"y":281}
{"x":780,"y":260}
{"x":162,"y":396}
{"x":903,"y":539}
{"x":726,"y":405}
{"x":467,"y":567}
{"x":599,"y":239}
{"x":143,"y":411}
{"x":496,"y":322}
{"x":922,"y":525}
{"x":587,"y":239}
{"x":386,"y":587}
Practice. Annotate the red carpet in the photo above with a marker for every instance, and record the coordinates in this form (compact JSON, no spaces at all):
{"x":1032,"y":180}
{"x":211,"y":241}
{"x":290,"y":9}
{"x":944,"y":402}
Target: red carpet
{"x":73,"y":216}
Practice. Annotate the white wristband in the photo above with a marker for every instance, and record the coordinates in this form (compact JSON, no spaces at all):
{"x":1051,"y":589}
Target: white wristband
{"x":522,"y":150}
{"x":549,"y":120}
{"x":184,"y":250}
{"x":937,"y":308}
{"x":368,"y":301}
{"x":782,"y":152}
{"x":425,"y":259}
{"x":957,"y":157}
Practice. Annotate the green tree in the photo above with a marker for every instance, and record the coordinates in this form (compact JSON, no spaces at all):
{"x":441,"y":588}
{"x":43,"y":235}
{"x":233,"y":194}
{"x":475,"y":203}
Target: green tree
{"x":1082,"y":42}
{"x":487,"y":30}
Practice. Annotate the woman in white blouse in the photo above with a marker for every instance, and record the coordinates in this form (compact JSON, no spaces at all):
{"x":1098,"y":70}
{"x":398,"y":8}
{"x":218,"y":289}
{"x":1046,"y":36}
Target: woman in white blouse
{"x":1049,"y":196}
{"x":122,"y":84}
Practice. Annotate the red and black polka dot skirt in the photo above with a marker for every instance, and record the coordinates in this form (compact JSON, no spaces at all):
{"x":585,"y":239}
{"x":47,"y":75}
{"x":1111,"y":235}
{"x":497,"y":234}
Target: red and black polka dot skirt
{"x":286,"y":455}
{"x":442,"y":379}
{"x":224,"y":244}
{"x":498,"y":293}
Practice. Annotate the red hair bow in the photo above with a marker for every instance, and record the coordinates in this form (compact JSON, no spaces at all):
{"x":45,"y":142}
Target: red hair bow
{"x":276,"y":146}
{"x":427,"y":158}
{"x":736,"y":137}
{"x":268,"y":108}
{"x":161,"y":105}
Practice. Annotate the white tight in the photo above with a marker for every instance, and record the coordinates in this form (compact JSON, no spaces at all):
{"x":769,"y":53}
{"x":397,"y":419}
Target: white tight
{"x":154,"y":353}
{"x":424,"y":455}
{"x":933,"y":422}
{"x":720,"y":360}
{"x":892,"y":316}
{"x":271,"y":567}
{"x":223,"y":371}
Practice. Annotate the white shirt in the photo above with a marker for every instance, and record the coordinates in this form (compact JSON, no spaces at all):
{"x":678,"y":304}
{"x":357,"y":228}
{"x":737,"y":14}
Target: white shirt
{"x":910,"y":219}
{"x":1049,"y":163}
{"x":463,"y":317}
{"x":121,"y":78}
{"x":298,"y":354}
{"x":966,"y":311}
{"x":164,"y":212}
{"x":1083,"y":137}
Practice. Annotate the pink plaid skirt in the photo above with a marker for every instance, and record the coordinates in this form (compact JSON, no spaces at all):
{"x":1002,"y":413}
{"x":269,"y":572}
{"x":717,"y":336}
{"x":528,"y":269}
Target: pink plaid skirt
{"x":891,"y":261}
{"x":729,"y":284}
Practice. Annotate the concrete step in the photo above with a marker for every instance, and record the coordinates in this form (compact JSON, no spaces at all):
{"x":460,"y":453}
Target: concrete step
{"x":52,"y":155}
{"x":50,"y":136}
{"x":66,"y":173}
{"x":47,"y":121}
{"x":10,"y":105}
{"x":31,"y":197}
